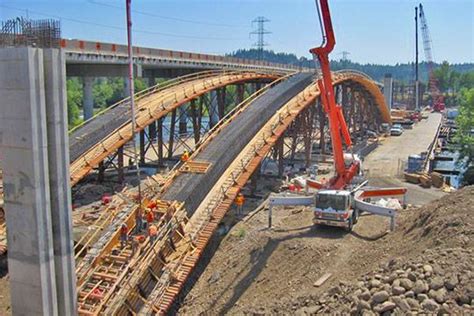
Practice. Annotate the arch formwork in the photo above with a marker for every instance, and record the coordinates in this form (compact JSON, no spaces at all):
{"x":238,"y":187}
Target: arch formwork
{"x":107,"y":133}
{"x":207,"y":217}
{"x":183,"y":243}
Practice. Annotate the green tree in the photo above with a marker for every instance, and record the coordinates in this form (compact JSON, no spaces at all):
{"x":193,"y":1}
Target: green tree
{"x":465,"y":122}
{"x":139,"y":84}
{"x":443,"y":76}
{"x":102,"y":92}
{"x":74,"y":101}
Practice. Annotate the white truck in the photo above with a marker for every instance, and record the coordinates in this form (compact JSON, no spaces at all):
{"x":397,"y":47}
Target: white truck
{"x":340,"y":208}
{"x":335,"y":208}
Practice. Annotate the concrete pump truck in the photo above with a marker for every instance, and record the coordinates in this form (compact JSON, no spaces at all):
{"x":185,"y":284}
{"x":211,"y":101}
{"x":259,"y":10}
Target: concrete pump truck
{"x":339,"y":201}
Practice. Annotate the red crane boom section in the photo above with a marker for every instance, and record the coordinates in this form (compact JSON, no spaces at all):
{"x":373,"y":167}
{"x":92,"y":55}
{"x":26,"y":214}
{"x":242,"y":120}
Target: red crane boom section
{"x":337,"y":125}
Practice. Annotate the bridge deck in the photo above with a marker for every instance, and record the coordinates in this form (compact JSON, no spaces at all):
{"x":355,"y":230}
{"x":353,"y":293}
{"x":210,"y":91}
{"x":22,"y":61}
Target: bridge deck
{"x":192,"y":188}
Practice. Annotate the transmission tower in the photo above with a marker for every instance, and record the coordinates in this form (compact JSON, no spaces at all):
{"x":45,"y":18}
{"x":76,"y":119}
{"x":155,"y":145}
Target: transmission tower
{"x":345,"y":55}
{"x":260,"y":32}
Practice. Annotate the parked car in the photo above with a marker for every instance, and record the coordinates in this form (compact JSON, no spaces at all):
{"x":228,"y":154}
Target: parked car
{"x":396,"y":131}
{"x":399,"y":126}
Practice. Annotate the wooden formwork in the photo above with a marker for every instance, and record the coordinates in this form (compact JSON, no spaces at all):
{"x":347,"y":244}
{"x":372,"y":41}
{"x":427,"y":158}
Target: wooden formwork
{"x":153,"y":107}
{"x":235,"y":180}
{"x":111,"y":270}
{"x":195,"y":167}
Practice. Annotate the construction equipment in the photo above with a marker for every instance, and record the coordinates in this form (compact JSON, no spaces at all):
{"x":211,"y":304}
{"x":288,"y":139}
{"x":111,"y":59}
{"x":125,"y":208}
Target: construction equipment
{"x":338,"y":201}
{"x":437,"y":98}
{"x":337,"y":124}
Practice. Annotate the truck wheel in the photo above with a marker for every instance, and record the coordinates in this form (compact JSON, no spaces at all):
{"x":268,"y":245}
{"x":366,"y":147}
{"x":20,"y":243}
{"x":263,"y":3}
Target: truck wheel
{"x":350,"y":226}
{"x":356,"y":216}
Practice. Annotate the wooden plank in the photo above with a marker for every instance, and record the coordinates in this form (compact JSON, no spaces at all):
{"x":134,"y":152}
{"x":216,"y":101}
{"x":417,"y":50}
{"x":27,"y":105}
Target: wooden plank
{"x":322,"y":279}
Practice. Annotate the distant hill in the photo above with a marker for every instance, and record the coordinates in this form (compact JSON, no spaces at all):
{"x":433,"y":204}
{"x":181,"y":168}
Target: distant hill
{"x":403,"y":72}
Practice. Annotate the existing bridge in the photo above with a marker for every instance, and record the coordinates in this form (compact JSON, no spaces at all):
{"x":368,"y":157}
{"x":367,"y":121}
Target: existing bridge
{"x":87,"y":58}
{"x":195,"y":197}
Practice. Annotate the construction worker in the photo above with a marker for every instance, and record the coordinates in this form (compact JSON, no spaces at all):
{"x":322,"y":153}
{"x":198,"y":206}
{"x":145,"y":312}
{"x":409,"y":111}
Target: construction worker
{"x":150,"y":217}
{"x":152,"y":233}
{"x":152,"y":205}
{"x":123,"y":235}
{"x":239,"y":201}
{"x":138,"y":221}
{"x":135,"y":246}
{"x":185,"y":156}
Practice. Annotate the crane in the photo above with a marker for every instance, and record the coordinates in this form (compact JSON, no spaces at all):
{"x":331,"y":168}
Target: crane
{"x":436,"y":96}
{"x":337,"y":202}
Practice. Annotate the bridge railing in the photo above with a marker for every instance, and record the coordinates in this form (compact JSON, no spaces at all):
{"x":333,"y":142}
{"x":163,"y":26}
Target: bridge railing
{"x":80,"y":46}
{"x":356,"y":72}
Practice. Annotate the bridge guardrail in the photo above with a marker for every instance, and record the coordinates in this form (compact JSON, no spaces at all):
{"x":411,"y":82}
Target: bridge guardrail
{"x":81,"y":46}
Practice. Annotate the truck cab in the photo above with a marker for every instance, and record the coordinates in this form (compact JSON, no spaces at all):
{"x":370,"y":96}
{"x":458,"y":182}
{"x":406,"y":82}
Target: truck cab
{"x":335,"y":208}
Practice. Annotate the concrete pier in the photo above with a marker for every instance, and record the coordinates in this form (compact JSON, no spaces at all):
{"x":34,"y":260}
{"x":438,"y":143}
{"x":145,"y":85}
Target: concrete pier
{"x":88,"y":105}
{"x":388,"y":90}
{"x":58,"y":158}
{"x":35,"y":176}
{"x":23,"y":146}
{"x":213,"y":109}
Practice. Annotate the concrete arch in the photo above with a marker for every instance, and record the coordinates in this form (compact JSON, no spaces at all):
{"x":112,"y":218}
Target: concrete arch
{"x":154,"y":104}
{"x":230,"y":181}
{"x":368,"y":84}
{"x":239,"y":172}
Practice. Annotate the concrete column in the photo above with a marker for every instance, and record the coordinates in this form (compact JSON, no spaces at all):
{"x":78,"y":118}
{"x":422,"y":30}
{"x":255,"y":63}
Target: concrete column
{"x":240,"y":93}
{"x":150,"y":81}
{"x":388,"y":90}
{"x":24,"y":155}
{"x":213,"y":109}
{"x":126,"y":87}
{"x":60,"y":187}
{"x":183,"y":120}
{"x":88,"y":102}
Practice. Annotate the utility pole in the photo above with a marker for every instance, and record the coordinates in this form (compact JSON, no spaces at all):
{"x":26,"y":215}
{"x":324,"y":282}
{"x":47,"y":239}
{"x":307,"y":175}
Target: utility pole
{"x":260,"y":32}
{"x":417,"y":83}
{"x":132,"y":99}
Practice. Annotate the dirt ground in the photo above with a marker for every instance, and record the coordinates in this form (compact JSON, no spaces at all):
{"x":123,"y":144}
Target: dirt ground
{"x":260,"y":271}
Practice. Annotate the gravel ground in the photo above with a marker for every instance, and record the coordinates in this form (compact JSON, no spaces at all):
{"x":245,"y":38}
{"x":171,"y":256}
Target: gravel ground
{"x":259,"y":271}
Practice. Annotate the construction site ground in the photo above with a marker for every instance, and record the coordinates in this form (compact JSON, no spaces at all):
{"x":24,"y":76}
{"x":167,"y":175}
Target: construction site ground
{"x":255,"y":270}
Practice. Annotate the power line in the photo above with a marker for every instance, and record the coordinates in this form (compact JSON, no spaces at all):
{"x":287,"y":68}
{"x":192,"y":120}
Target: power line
{"x":122,"y":28}
{"x":260,"y":32}
{"x":169,"y":18}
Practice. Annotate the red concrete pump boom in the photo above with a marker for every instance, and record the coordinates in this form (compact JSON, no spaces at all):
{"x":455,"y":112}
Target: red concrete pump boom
{"x":337,"y":124}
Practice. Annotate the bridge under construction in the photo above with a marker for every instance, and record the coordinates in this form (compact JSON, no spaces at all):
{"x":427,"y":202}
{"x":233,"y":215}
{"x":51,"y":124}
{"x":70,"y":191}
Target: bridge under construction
{"x":208,"y":131}
{"x":194,"y":196}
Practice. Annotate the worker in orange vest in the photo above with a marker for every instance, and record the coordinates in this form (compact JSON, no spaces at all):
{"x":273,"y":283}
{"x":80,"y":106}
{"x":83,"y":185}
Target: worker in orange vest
{"x":185,"y":156}
{"x":123,"y":235}
{"x":239,"y":201}
{"x":150,"y":217}
{"x":152,"y":233}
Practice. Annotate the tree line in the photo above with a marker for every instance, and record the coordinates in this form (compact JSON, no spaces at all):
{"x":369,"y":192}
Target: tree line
{"x":404,"y":72}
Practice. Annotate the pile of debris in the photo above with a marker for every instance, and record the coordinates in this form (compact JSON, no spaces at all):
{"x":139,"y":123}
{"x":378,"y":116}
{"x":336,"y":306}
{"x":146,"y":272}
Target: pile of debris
{"x":431,"y":271}
{"x":437,"y":281}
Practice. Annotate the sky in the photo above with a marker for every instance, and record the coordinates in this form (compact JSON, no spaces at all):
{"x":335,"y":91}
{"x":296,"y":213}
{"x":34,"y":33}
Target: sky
{"x":372,"y":31}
